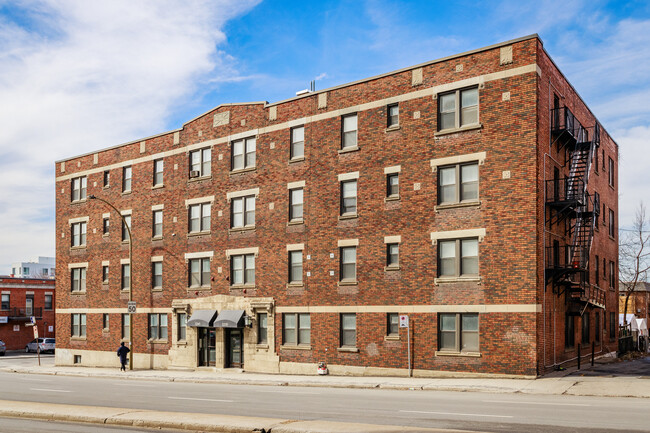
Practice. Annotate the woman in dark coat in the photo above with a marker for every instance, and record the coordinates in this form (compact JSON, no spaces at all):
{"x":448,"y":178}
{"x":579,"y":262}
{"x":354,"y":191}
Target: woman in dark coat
{"x":122,"y":352}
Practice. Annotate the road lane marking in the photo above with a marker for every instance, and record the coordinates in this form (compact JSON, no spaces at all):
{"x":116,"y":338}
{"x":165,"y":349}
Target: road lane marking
{"x":37,"y":380}
{"x":456,"y":413}
{"x":48,"y":390}
{"x":535,"y":402}
{"x":201,"y":399}
{"x":289,"y":392}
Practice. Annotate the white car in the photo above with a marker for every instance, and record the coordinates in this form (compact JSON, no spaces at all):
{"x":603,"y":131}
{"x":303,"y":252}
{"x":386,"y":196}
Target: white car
{"x":45,"y":344}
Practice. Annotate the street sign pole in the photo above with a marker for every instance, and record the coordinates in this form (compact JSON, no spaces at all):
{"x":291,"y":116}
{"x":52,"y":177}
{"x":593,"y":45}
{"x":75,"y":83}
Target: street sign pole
{"x":404,"y":323}
{"x":38,"y":346}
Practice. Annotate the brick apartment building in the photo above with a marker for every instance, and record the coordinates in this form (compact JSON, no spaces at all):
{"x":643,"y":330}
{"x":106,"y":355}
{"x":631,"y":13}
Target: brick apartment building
{"x":23,"y":298}
{"x":476,"y":194}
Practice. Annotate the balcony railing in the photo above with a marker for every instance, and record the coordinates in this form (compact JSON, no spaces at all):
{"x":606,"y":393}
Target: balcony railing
{"x":24,"y":313}
{"x":567,"y":189}
{"x":567,"y":257}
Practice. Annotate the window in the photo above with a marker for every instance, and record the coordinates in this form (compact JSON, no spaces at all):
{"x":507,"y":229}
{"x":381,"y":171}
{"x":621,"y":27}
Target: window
{"x":127,"y":174}
{"x":458,"y":332}
{"x":243,"y":154}
{"x":296,"y":329}
{"x":156,"y":275}
{"x":199,"y":272}
{"x":106,"y":225}
{"x":242,"y":269}
{"x":457,"y":109}
{"x":296,"y":204}
{"x":604,"y":215}
{"x":349,"y":198}
{"x":569,"y":331}
{"x":126,"y":326}
{"x":25,"y":271}
{"x":596,"y":161}
{"x":199,"y":218}
{"x":79,"y":188}
{"x":349,"y":132}
{"x":78,"y":325}
{"x":612,"y":275}
{"x":611,"y":172}
{"x":105,"y":274}
{"x":348,"y":264}
{"x":157,"y":224}
{"x":393,"y":115}
{"x":78,"y":277}
{"x":597,"y":330}
{"x":597,"y":263}
{"x":585,"y":328}
{"x":297,"y":143}
{"x":158,"y":326}
{"x":458,"y":257}
{"x":392,"y":327}
{"x":242,"y":212}
{"x":182,"y":326}
{"x":105,"y":321}
{"x":107,"y":179}
{"x":262,"y":329}
{"x":200,"y":161}
{"x":392,"y":255}
{"x":392,"y":185}
{"x":48,"y":302}
{"x":605,"y":270}
{"x":126,"y":222}
{"x":295,"y":267}
{"x":126,"y":277}
{"x":78,"y":234}
{"x":458,"y":183}
{"x":612,"y":228}
{"x":348,"y":330}
{"x":5,"y":301}
{"x":612,"y":326}
{"x":596,"y":208}
{"x":158,"y":167}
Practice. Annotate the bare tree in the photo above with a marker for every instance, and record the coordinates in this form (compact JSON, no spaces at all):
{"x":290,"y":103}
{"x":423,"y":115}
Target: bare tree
{"x":634,"y":255}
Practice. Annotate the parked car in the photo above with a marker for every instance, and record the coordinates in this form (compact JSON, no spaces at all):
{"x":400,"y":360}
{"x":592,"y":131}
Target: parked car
{"x":3,"y":348}
{"x":46,"y":345}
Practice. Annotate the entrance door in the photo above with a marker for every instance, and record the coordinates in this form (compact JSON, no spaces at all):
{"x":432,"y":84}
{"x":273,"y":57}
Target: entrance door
{"x":207,"y":347}
{"x":235,"y":358}
{"x":29,"y":305}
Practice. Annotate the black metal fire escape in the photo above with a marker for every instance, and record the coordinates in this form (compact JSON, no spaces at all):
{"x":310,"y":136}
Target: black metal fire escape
{"x":569,"y":203}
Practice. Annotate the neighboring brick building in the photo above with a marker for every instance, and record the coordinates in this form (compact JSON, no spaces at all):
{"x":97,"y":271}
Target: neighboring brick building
{"x":275,"y":236}
{"x":639,"y":302}
{"x":23,"y":298}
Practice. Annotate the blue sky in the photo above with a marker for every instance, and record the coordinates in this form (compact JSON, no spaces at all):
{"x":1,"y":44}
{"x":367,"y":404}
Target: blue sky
{"x":80,"y":76}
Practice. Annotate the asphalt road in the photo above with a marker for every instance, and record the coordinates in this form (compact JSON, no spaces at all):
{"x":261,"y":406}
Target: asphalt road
{"x":469,"y":411}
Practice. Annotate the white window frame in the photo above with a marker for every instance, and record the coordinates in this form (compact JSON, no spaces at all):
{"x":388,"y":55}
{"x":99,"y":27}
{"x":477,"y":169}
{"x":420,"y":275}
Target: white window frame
{"x":247,"y":270}
{"x":247,"y":157}
{"x":200,"y":160}
{"x":247,"y":213}
{"x":158,"y":171}
{"x":78,"y":325}
{"x":78,"y":232}
{"x":349,"y":131}
{"x":297,"y":148}
{"x":78,"y":188}
{"x":298,"y":335}
{"x":201,"y":278}
{"x":460,"y":335}
{"x":204,"y":217}
{"x":127,"y":179}
{"x":78,"y":279}
{"x":459,"y":110}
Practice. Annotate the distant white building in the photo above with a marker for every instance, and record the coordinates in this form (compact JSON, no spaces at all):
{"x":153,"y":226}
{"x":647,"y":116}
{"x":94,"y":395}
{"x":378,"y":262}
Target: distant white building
{"x":41,"y":267}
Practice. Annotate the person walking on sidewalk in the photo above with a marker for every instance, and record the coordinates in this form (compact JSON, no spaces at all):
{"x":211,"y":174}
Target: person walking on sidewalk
{"x":122,"y":352}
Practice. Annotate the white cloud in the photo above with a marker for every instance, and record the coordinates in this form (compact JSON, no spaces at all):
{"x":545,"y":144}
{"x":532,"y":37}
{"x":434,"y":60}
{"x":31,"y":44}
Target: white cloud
{"x":78,"y":76}
{"x":634,"y":175}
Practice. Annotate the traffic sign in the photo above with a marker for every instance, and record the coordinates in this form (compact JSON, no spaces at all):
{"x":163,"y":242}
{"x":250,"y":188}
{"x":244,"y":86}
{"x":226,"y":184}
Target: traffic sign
{"x":403,"y":321}
{"x":32,"y":319}
{"x":36,"y":332}
{"x":131,"y":307}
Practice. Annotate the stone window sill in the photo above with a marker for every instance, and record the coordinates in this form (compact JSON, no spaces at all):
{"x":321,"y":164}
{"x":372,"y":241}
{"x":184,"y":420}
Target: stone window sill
{"x":348,"y":283}
{"x":262,"y":346}
{"x":160,"y":185}
{"x":295,"y":285}
{"x":126,"y":242}
{"x":78,"y":247}
{"x":243,"y":170}
{"x":393,"y":128}
{"x":392,"y":337}
{"x":74,"y":338}
{"x":349,"y":149}
{"x":157,"y":341}
{"x":105,"y":330}
{"x":461,"y":354}
{"x":199,"y":179}
{"x":391,"y":268}
{"x":295,"y":347}
{"x":348,"y":349}
{"x":157,"y":289}
{"x":106,"y":187}
{"x":392,"y":198}
{"x":83,"y":200}
{"x":444,"y":206}
{"x":125,"y":290}
{"x":241,"y":229}
{"x":199,"y":288}
{"x":297,"y":159}
{"x":455,"y":130}
{"x":296,"y":222}
{"x":443,"y":280}
{"x":105,"y":235}
{"x":193,"y":234}
{"x":157,"y":238}
{"x":181,"y":343}
{"x":126,"y":192}
{"x":242,"y":286}
{"x":348,"y":216}
{"x":78,"y":292}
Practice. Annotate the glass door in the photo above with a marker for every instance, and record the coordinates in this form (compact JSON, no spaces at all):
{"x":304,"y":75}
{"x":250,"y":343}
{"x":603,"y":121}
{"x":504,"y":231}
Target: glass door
{"x":235,"y":352}
{"x":207,"y":347}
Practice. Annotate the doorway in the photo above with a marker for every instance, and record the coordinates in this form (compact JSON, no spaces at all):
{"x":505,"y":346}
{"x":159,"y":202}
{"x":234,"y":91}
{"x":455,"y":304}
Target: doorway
{"x":207,"y":347}
{"x":234,"y":352}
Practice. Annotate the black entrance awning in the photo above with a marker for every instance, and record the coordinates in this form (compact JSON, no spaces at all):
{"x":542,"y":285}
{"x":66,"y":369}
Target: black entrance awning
{"x":230,"y":319}
{"x":202,"y":318}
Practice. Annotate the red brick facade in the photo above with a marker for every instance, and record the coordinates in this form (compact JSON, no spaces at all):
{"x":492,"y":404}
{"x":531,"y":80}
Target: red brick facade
{"x":16,"y":310}
{"x":520,"y":316}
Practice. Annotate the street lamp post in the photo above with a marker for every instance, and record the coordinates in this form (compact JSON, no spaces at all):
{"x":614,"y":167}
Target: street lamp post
{"x":128,"y":230}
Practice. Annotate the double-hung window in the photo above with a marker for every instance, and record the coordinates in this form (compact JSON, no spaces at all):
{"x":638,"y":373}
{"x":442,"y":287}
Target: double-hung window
{"x":392,"y":185}
{"x":78,"y":279}
{"x":612,"y":227}
{"x":104,"y":274}
{"x":106,"y":225}
{"x":48,"y":302}
{"x":242,"y":212}
{"x":297,"y":143}
{"x":458,"y":183}
{"x":158,"y":166}
{"x":348,"y":330}
{"x":348,"y":268}
{"x":126,"y":326}
{"x":157,"y":223}
{"x":458,"y":257}
{"x":243,"y":154}
{"x":200,"y":161}
{"x":392,"y":255}
{"x":78,"y":322}
{"x":296,"y":329}
{"x":393,"y":116}
{"x":79,"y":188}
{"x":107,"y":178}
{"x":199,"y":216}
{"x":127,"y":174}
{"x":126,"y":222}
{"x":199,"y":272}
{"x":262,"y":328}
{"x":458,"y":109}
{"x":5,"y":304}
{"x":156,"y":275}
{"x":458,"y":332}
{"x":181,"y":320}
{"x":611,"y":172}
{"x":349,"y":197}
{"x":296,"y":201}
{"x":612,"y":275}
{"x":126,"y":276}
{"x":295,"y":267}
{"x":242,"y":269}
{"x":158,"y":326}
{"x":349,"y":132}
{"x":392,"y":324}
{"x":78,"y":234}
{"x":105,"y":321}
